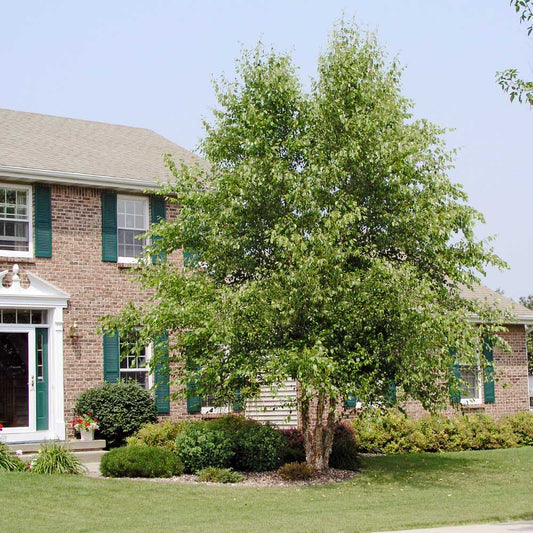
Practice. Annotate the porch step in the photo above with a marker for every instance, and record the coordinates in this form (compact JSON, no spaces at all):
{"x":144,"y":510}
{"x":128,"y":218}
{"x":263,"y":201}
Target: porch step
{"x":73,"y":445}
{"x":91,"y":461}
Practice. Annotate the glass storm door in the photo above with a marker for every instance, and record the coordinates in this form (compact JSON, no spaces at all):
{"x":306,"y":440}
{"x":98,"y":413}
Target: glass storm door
{"x":24,"y":379}
{"x":14,"y":379}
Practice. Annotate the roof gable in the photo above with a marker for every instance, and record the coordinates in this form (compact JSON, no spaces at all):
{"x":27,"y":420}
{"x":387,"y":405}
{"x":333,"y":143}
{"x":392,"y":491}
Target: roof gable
{"x":79,"y":147}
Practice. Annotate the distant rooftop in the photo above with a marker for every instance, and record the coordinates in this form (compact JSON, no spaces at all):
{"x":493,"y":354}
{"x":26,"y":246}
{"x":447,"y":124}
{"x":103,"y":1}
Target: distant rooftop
{"x":503,"y":303}
{"x":30,"y":141}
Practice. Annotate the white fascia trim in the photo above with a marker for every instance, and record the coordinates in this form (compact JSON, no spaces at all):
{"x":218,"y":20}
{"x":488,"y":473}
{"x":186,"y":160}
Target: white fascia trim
{"x":515,"y":320}
{"x":72,"y":178}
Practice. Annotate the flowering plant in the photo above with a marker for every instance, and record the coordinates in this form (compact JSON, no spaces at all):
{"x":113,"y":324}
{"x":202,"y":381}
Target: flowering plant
{"x":85,"y":422}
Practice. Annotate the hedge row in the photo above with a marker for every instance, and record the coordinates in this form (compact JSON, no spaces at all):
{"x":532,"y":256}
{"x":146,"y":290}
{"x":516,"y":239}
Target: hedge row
{"x":392,"y":432}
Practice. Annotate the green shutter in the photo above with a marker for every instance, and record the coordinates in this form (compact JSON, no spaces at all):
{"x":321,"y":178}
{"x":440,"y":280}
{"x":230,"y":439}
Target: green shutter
{"x":238,"y":403}
{"x":190,"y":258}
{"x":194,"y":402}
{"x":390,"y":396}
{"x":41,"y":385}
{"x":350,"y":401}
{"x":43,"y":221}
{"x":162,"y":391}
{"x":109,"y":227}
{"x":159,"y":214}
{"x":490,"y":396}
{"x":111,"y":358}
{"x":455,"y":395}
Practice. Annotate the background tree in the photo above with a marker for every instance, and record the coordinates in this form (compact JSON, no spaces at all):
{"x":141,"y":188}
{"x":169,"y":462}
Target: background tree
{"x":508,"y":79}
{"x":527,"y":301}
{"x":325,"y":244}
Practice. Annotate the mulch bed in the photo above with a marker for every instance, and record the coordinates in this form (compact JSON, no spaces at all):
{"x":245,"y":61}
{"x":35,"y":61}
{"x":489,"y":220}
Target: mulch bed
{"x":265,"y":479}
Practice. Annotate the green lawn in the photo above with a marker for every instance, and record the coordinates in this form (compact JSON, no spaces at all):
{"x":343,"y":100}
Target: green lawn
{"x":396,"y":492}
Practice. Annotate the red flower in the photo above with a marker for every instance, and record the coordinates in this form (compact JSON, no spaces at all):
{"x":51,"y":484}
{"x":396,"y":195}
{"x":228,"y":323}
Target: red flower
{"x":89,"y":413}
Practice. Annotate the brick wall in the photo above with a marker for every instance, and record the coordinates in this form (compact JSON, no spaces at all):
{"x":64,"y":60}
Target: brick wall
{"x":96,"y":288}
{"x":511,"y":381}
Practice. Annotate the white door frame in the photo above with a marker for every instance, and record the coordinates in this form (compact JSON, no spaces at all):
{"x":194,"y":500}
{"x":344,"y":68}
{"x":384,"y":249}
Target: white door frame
{"x":39,"y":294}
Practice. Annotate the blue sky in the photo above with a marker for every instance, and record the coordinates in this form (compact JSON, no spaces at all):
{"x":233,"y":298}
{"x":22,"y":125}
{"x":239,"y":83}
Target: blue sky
{"x":150,"y":64}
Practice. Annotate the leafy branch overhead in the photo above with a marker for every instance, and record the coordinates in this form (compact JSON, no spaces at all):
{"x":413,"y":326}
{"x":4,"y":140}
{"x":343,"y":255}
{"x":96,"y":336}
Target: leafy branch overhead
{"x":325,"y":244}
{"x":508,"y":79}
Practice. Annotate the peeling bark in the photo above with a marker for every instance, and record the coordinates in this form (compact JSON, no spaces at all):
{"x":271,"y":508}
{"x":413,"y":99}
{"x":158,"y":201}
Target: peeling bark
{"x":318,"y":427}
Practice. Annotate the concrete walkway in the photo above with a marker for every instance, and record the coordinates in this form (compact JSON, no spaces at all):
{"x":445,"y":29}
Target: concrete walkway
{"x":502,"y":527}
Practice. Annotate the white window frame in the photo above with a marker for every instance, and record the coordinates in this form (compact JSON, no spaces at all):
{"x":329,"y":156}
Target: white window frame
{"x":144,"y":200}
{"x":150,"y":375}
{"x":211,"y":409}
{"x":29,"y":192}
{"x":473,"y":400}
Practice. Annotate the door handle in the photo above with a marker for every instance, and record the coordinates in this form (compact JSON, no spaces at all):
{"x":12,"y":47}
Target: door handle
{"x":32,"y":382}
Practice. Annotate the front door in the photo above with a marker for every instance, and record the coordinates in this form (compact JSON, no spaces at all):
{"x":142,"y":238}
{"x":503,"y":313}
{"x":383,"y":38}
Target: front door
{"x":24,"y":379}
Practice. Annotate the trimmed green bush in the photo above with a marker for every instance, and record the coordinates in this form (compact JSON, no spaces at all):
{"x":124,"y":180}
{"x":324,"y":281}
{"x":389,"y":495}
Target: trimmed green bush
{"x":213,"y":474}
{"x":53,"y":458}
{"x":162,"y":434}
{"x":259,"y":448}
{"x":10,"y":462}
{"x":121,"y":408}
{"x":141,"y":461}
{"x":203,"y":444}
{"x":296,"y":471}
{"x":344,"y":451}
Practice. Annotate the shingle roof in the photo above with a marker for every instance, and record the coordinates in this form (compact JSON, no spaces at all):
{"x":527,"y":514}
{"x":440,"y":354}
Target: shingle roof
{"x":503,"y":303}
{"x":42,"y":142}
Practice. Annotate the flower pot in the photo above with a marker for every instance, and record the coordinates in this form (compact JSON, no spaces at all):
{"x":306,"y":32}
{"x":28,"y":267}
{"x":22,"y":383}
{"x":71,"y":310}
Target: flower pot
{"x":87,"y":434}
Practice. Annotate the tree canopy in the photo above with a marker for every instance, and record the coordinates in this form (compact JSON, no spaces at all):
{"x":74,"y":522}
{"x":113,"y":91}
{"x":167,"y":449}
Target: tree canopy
{"x":508,"y":79}
{"x":325,"y":243}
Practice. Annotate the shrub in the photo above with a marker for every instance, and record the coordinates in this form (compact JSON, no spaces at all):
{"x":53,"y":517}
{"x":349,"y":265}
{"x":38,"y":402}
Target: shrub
{"x":293,"y":450}
{"x":344,"y":451}
{"x":121,"y":408}
{"x":219,"y":475}
{"x":10,"y":462}
{"x":392,"y":432}
{"x":53,"y":458}
{"x":203,"y":444}
{"x":162,"y":434}
{"x":140,"y":461}
{"x":233,"y":424}
{"x":521,"y":424}
{"x":296,"y":471}
{"x":259,"y":448}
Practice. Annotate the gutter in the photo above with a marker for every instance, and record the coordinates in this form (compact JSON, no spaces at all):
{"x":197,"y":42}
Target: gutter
{"x":73,"y":178}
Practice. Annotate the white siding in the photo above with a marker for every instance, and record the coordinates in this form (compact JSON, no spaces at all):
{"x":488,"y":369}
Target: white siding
{"x":270,"y":406}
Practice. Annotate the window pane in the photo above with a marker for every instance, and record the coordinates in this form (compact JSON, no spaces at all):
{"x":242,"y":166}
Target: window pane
{"x":14,"y":225}
{"x":131,"y":222}
{"x":470,"y":387}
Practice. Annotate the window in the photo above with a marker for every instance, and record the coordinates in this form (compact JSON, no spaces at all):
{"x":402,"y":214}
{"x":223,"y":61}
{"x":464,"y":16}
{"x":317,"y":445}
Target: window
{"x":15,"y":220}
{"x":121,"y":362}
{"x":132,"y":222}
{"x":471,"y":386}
{"x":209,"y":406}
{"x":134,"y":365}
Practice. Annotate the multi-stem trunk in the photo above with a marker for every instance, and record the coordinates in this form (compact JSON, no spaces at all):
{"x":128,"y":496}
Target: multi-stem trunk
{"x":318,"y":427}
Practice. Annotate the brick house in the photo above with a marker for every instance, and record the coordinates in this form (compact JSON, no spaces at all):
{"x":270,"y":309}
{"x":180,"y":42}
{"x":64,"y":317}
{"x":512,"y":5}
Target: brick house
{"x":72,"y":199}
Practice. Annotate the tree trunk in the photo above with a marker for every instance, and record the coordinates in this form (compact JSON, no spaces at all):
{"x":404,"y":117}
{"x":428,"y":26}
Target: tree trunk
{"x":318,"y":427}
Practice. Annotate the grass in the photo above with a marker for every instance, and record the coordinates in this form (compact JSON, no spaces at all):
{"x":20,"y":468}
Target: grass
{"x":397,"y":492}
